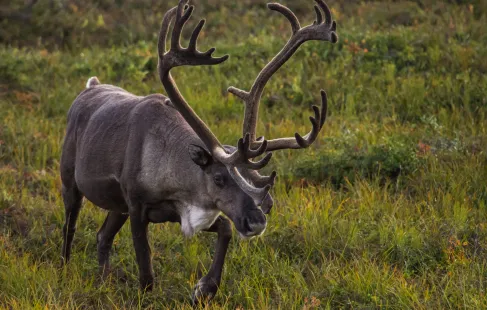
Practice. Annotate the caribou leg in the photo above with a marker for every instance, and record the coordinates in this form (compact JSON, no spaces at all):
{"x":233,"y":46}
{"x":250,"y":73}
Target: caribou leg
{"x":142,"y":249}
{"x":208,"y":285}
{"x":72,"y":204}
{"x":104,"y":239}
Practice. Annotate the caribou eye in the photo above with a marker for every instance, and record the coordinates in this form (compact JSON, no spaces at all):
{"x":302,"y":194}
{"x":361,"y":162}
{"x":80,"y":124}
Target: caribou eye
{"x":219,"y":179}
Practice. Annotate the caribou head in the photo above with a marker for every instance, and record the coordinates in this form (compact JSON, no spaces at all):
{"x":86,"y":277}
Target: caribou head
{"x":239,"y":161}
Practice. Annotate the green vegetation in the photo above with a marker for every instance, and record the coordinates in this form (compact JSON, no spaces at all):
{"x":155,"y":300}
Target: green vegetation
{"x":387,"y":210}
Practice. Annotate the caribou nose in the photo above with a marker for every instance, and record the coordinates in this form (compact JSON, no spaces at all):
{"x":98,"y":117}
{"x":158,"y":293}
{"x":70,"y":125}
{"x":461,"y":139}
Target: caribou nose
{"x":254,"y":224}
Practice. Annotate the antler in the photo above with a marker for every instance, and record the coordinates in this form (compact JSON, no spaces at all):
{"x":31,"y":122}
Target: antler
{"x":319,"y":30}
{"x":190,"y":56}
{"x":299,"y":142}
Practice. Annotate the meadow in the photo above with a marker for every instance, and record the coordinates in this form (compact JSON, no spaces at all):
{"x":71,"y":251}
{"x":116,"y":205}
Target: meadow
{"x":387,"y":210}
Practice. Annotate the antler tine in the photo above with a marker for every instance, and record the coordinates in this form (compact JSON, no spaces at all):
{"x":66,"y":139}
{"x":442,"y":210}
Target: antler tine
{"x":326,"y":10}
{"x":177,"y":55}
{"x":245,"y":144}
{"x":324,"y":107}
{"x":259,"y":151}
{"x":319,"y":17}
{"x":258,"y":193}
{"x":182,"y":17}
{"x":311,"y":136}
{"x":287,"y":13}
{"x":241,"y":157}
{"x":260,"y":180}
{"x":263,"y":185}
{"x":242,"y":94}
{"x":166,"y":21}
{"x":194,"y":36}
{"x":298,"y":141}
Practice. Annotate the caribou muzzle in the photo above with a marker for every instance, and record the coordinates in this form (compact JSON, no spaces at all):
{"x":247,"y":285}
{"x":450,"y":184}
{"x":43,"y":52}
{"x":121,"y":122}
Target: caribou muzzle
{"x":252,"y":223}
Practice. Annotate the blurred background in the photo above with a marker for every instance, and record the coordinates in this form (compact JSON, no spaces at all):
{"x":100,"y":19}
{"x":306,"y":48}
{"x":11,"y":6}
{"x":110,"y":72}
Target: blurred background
{"x":71,"y":23}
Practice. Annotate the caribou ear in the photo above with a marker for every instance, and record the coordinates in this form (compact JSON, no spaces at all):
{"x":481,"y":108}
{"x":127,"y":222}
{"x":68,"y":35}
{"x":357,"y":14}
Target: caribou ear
{"x":199,"y":155}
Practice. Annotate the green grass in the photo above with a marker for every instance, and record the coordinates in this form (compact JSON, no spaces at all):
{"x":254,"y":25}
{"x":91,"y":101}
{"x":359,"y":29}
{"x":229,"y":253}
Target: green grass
{"x":387,"y":210}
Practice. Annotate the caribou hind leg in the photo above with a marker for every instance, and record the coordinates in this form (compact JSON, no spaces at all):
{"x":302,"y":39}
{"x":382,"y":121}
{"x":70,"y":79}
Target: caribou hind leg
{"x":207,"y":286}
{"x":104,"y":239}
{"x":72,"y":205}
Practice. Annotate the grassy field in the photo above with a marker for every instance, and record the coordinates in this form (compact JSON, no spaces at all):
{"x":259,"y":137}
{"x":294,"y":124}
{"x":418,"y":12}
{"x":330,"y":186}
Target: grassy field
{"x":387,"y":210}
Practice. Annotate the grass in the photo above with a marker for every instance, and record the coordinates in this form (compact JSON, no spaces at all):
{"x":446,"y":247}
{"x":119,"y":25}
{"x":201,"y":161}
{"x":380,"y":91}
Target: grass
{"x":387,"y":210}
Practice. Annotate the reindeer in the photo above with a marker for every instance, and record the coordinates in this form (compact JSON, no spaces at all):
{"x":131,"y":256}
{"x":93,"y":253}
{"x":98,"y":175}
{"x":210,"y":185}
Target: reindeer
{"x":153,"y":160}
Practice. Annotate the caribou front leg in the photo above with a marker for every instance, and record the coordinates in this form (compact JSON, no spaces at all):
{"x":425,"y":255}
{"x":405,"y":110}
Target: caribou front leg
{"x":207,"y":286}
{"x":139,"y":226}
{"x":113,"y":223}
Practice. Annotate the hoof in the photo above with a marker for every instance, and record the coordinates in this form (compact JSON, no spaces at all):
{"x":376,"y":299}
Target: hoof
{"x":204,"y":291}
{"x":104,"y":272}
{"x":147,"y":283}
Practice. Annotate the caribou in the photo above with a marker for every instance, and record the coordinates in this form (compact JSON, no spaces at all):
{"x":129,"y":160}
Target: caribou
{"x":153,"y":160}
